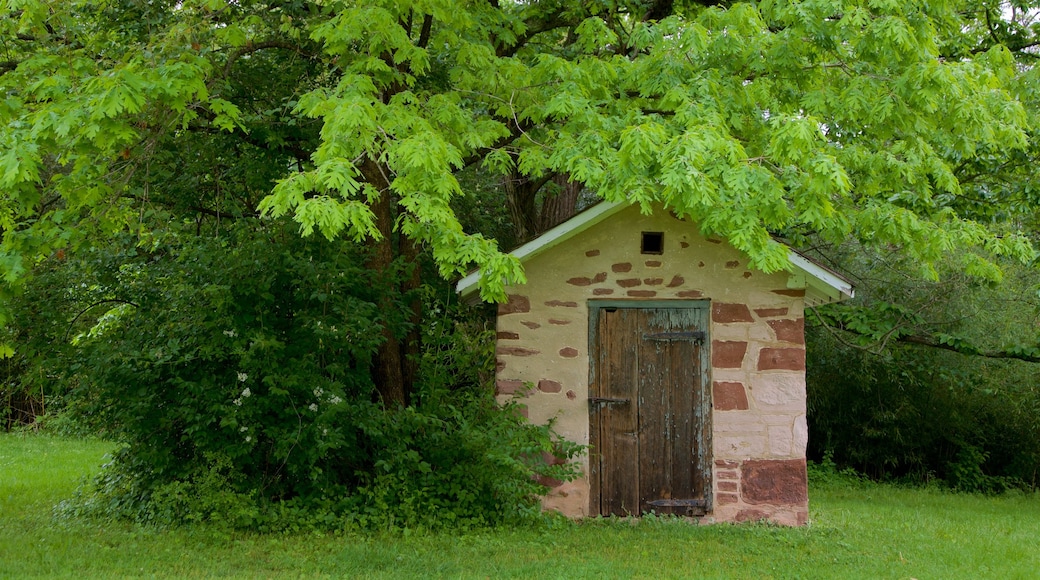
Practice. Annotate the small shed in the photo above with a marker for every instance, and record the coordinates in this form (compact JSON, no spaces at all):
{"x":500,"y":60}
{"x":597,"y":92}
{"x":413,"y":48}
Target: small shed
{"x":680,"y":367}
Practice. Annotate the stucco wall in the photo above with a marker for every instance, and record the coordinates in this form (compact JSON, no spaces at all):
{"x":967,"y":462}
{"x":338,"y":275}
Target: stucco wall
{"x":757,"y":354}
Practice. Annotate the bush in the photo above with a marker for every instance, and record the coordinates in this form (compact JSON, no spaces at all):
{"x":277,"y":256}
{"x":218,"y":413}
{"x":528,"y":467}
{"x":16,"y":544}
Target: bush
{"x":237,"y":373}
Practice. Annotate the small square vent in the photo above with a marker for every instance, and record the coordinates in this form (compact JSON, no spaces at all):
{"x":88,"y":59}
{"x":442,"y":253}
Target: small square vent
{"x":653,"y":243}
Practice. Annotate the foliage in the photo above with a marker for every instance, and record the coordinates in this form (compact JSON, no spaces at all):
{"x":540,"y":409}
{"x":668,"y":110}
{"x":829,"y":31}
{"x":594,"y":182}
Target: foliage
{"x":924,"y":415}
{"x":834,"y":117}
{"x":236,"y":371}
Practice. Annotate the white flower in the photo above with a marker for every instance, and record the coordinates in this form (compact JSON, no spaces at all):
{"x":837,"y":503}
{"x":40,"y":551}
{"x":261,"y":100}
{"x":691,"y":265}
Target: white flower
{"x":237,"y":402}
{"x":230,"y":333}
{"x":335,"y":400}
{"x":313,"y":407}
{"x":246,"y":392}
{"x":242,"y":377}
{"x":318,"y":391}
{"x":248,"y":438}
{"x":324,"y":431}
{"x":242,"y":429}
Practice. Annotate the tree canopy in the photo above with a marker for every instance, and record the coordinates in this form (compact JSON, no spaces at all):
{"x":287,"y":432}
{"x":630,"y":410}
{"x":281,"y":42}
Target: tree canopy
{"x":905,"y":125}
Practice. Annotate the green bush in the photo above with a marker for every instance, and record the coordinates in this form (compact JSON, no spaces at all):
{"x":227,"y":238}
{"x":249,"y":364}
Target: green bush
{"x":236,"y":372}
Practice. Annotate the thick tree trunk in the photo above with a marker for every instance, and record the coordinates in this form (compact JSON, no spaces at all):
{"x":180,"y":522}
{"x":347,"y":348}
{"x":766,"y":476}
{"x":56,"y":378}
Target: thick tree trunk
{"x":560,"y":207}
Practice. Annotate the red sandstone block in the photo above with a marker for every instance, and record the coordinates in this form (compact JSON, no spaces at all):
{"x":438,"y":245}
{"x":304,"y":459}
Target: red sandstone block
{"x":562,"y":303}
{"x":728,"y":474}
{"x":774,"y":481}
{"x":653,"y":264}
{"x":789,"y":359}
{"x":690,"y":294}
{"x":728,"y":354}
{"x":769,"y":312}
{"x":726,"y":498}
{"x":506,"y":335}
{"x":725,"y":313}
{"x":592,"y":253}
{"x":530,"y":324}
{"x":676,"y":281}
{"x":515,"y":303}
{"x":508,"y":387}
{"x":547,"y":386}
{"x":726,"y":463}
{"x":516,"y":351}
{"x":727,"y":396}
{"x":629,"y":282}
{"x":727,"y":486}
{"x":623,"y":267}
{"x":789,"y":292}
{"x":602,"y":291}
{"x":600,"y":277}
{"x":558,"y":322}
{"x":568,"y":352}
{"x":580,"y":281}
{"x":653,"y":281}
{"x":641,"y":293}
{"x":732,"y":264}
{"x":789,"y":329}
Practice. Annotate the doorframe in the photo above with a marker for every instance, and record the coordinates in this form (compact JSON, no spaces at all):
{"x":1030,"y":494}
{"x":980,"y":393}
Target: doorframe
{"x":594,"y":306}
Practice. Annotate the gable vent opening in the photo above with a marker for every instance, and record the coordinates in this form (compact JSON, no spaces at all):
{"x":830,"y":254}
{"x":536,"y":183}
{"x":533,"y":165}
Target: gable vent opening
{"x":653,"y":243}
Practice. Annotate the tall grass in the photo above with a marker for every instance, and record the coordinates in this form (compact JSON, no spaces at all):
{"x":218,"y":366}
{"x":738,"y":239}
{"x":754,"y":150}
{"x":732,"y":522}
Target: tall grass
{"x":858,"y":530}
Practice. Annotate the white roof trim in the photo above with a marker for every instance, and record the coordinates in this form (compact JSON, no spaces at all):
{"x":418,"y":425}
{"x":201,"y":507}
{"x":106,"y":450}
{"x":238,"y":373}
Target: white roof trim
{"x":822,"y":286}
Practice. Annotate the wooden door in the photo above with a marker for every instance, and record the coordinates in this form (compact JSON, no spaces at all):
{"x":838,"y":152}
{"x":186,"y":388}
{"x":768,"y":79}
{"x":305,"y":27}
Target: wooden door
{"x":649,"y":409}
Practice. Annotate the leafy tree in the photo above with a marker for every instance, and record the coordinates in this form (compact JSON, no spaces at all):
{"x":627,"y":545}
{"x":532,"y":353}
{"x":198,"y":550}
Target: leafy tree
{"x":827,"y":119}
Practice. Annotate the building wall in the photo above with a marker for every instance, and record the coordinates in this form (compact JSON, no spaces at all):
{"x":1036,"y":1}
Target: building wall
{"x":757,"y":354}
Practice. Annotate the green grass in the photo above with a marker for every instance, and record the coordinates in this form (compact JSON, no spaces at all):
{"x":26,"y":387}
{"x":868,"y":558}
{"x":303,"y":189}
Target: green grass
{"x":857,"y":531}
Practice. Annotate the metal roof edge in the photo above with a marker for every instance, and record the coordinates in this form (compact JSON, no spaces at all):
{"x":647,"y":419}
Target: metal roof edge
{"x":551,"y":237}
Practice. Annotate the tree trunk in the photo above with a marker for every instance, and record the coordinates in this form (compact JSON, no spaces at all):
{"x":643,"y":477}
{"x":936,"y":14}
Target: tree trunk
{"x":390,"y":370}
{"x":558,"y":208}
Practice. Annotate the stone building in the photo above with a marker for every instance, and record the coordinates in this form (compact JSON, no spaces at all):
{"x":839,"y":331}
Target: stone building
{"x":679,"y":366}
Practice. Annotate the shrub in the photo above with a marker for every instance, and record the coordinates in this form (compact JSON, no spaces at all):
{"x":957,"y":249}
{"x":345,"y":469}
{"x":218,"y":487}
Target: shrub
{"x":237,"y":373}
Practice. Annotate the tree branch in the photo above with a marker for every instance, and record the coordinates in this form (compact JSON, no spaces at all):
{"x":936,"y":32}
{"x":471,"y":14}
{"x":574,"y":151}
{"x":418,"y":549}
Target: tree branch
{"x":252,"y":47}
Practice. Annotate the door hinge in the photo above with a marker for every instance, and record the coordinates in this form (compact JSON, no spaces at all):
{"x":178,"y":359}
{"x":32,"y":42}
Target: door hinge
{"x":696,"y":336}
{"x":700,"y":503}
{"x":608,"y":400}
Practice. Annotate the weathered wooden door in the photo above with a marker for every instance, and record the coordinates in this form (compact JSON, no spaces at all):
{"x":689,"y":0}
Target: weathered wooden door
{"x":649,"y":408}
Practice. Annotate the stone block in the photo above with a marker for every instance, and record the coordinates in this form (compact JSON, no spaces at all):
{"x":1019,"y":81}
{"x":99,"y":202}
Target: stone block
{"x":549,"y":386}
{"x":727,"y":396}
{"x":801,"y":437}
{"x":729,"y":354}
{"x":779,"y":390}
{"x":622,"y":267}
{"x":771,"y":312}
{"x":629,"y":282}
{"x":774,"y":481}
{"x":789,"y":359}
{"x":516,"y":351}
{"x":789,"y":330}
{"x":641,"y":293}
{"x":514,"y":303}
{"x":507,"y":335}
{"x":781,"y":440}
{"x":724,"y":313}
{"x":690,"y":294}
{"x":726,"y":498}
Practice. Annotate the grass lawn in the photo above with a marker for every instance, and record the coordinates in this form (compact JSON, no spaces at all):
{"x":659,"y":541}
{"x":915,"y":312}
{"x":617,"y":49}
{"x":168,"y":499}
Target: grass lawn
{"x":857,"y":531}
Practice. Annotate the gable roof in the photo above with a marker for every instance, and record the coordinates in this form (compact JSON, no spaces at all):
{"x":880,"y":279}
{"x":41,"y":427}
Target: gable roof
{"x":822,"y":285}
